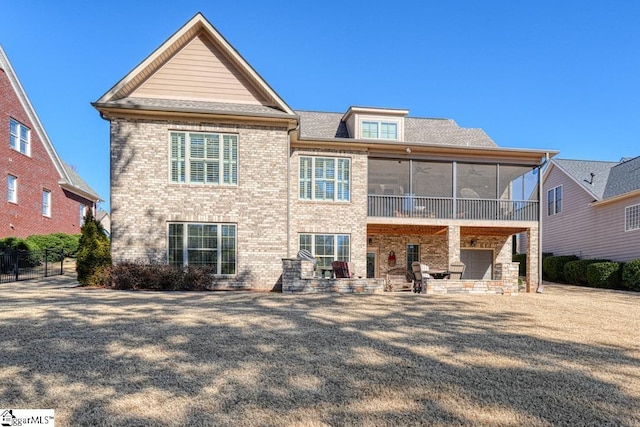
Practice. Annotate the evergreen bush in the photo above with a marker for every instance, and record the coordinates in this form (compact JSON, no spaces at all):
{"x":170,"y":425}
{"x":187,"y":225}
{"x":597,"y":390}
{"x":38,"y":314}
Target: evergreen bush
{"x":94,"y":252}
{"x":553,"y":267}
{"x":631,"y":275}
{"x":605,"y":275}
{"x":575,"y":272}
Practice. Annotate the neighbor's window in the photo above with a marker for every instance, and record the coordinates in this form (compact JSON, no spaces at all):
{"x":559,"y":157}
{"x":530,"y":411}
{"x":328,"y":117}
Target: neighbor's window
{"x":46,"y":202}
{"x":212,"y":245}
{"x":554,"y":200}
{"x":204,"y":158}
{"x":378,"y":130}
{"x":19,"y":137}
{"x":413,"y":255}
{"x":323,"y":178}
{"x":83,"y":208}
{"x":632,"y":218}
{"x":326,"y":248}
{"x":12,"y":189}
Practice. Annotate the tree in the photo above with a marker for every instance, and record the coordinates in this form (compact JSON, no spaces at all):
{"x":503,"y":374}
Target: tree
{"x":94,"y":252}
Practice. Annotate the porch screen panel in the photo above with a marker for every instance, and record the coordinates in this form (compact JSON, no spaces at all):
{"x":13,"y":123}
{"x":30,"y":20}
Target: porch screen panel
{"x":476,"y":181}
{"x":432,"y":179}
{"x":389,"y":177}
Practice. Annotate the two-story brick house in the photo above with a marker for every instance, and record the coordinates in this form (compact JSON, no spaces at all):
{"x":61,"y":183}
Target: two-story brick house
{"x":40,"y":194}
{"x":211,"y":166}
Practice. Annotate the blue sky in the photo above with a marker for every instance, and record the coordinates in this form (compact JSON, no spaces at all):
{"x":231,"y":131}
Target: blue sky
{"x":560,"y":75}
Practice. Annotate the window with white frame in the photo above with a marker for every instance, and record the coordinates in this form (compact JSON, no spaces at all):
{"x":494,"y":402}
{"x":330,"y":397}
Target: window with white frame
{"x":19,"y":137}
{"x":370,"y":129}
{"x":325,"y":178}
{"x":554,"y":200}
{"x":12,"y":189}
{"x":46,"y":202}
{"x":326,"y":248}
{"x":632,"y":218}
{"x":203,"y":244}
{"x":82,"y":212}
{"x":203,"y":158}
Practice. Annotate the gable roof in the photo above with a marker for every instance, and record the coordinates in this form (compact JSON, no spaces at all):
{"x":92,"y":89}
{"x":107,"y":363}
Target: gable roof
{"x":580,"y":171}
{"x":69,"y":179}
{"x":324,"y":125}
{"x":135,"y":90}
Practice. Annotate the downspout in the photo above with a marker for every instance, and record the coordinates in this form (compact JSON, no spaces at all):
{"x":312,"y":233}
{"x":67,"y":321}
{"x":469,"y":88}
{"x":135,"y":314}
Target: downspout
{"x":540,"y":213}
{"x":288,"y":220}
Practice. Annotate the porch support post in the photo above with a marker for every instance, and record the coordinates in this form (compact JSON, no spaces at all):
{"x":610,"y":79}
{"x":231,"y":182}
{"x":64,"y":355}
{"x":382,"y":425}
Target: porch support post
{"x":453,"y":239}
{"x":533,"y":267}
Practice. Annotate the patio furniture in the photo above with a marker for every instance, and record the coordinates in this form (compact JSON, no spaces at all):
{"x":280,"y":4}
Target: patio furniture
{"x":342,"y":269}
{"x":456,"y":270}
{"x":420,"y":274}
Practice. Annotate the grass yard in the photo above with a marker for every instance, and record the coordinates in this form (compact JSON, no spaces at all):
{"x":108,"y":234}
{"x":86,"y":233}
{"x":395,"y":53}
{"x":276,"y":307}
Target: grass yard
{"x":569,"y":356}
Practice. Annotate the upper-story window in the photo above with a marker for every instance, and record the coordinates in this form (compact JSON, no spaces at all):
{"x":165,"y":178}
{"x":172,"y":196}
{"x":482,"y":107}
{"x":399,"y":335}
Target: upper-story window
{"x":378,"y":130}
{"x":325,"y":178}
{"x":12,"y":189}
{"x":19,"y":137}
{"x":554,"y":200}
{"x":632,"y":218}
{"x":204,"y":158}
{"x":46,"y":203}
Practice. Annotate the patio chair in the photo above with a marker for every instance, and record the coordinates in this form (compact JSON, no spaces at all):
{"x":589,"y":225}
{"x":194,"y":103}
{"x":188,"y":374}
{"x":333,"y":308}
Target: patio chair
{"x":456,"y":270}
{"x":420,"y":274}
{"x":342,"y":269}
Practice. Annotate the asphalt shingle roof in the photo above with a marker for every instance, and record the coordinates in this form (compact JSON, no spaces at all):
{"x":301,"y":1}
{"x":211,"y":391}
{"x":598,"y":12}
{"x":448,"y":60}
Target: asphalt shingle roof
{"x":78,"y":182}
{"x":324,"y":125}
{"x":194,"y":106}
{"x":610,"y":179}
{"x":623,"y":178}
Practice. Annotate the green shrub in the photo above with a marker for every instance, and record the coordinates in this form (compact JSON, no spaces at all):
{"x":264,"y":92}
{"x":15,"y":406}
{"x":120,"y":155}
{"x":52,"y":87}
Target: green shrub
{"x":68,"y":242}
{"x":522,"y":259}
{"x":576,"y":271}
{"x":159,"y":277}
{"x":94,"y":250}
{"x":17,"y":243}
{"x":605,"y":275}
{"x":553,"y":267}
{"x":631,"y":275}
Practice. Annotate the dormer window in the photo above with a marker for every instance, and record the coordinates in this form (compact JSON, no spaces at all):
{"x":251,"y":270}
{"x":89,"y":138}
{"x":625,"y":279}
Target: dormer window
{"x":378,"y":130}
{"x":384,"y":124}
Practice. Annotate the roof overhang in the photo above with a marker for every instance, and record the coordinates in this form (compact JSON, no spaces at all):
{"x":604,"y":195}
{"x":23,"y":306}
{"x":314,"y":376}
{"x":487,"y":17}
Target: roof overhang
{"x":431,"y":151}
{"x":390,"y":112}
{"x":617,"y":198}
{"x":78,"y":191}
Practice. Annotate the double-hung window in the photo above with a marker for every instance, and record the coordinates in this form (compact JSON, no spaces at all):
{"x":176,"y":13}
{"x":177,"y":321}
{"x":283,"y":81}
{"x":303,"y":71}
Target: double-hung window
{"x":12,"y":189}
{"x":326,"y":248}
{"x":632,"y":218}
{"x":203,"y":244}
{"x":203,"y":158}
{"x":325,"y":178}
{"x":378,"y":130}
{"x":19,"y":137}
{"x":81,"y":213}
{"x":46,"y":202}
{"x":554,"y":201}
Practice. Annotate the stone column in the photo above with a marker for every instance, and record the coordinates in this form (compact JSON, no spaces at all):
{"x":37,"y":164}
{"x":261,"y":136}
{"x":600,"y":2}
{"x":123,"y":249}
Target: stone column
{"x":533,"y":267}
{"x":453,"y":239}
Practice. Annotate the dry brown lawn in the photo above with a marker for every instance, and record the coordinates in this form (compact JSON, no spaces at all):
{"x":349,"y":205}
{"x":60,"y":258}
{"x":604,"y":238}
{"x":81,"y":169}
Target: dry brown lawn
{"x":569,"y":356}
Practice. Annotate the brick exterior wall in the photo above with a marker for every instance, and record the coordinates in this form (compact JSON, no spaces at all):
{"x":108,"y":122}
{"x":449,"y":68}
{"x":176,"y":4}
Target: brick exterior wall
{"x":320,"y":217}
{"x":35,"y":173}
{"x":143,"y":201}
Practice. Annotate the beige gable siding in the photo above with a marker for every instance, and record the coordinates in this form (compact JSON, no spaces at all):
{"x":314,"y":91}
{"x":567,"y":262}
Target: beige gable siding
{"x":584,"y":230}
{"x":200,"y":71}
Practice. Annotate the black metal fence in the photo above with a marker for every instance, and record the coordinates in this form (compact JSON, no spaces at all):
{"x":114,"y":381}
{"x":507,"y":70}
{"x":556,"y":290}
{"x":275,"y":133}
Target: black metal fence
{"x":22,"y":265}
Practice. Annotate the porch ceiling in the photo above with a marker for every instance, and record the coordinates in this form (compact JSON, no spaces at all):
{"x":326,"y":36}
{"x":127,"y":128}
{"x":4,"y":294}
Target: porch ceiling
{"x":406,"y":229}
{"x":491,"y":231}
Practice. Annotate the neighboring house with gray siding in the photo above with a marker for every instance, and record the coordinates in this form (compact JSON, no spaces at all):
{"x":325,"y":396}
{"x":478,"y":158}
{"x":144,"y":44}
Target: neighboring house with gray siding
{"x":592,"y":209}
{"x":209,"y":165}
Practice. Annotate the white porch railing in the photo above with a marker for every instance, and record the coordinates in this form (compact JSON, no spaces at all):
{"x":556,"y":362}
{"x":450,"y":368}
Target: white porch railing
{"x":451,"y":208}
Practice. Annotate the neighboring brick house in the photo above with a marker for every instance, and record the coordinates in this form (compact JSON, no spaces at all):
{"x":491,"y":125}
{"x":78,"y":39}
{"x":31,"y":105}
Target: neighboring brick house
{"x":592,"y":209}
{"x":210,"y":166}
{"x":40,"y":193}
